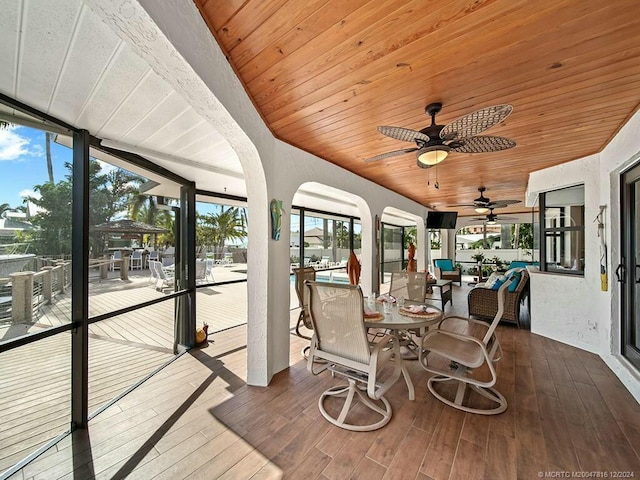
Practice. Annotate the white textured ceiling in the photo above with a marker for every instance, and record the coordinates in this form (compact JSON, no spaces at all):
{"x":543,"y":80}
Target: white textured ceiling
{"x":60,"y":58}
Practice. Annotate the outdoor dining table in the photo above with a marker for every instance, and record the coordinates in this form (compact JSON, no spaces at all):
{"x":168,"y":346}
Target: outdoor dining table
{"x":399,"y":319}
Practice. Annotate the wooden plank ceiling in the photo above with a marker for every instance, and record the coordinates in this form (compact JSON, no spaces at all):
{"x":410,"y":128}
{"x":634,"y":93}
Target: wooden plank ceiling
{"x":324,"y":73}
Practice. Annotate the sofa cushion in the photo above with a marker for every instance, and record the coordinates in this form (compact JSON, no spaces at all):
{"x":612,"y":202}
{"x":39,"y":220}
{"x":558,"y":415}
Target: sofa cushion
{"x":444,"y":264}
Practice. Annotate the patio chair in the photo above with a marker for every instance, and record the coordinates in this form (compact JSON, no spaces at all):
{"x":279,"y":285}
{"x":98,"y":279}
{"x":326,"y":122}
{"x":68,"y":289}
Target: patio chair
{"x":165,"y":278}
{"x":153,"y":256}
{"x":201,"y":269}
{"x":446,"y":270}
{"x":412,"y":286}
{"x":339,"y":344}
{"x":153,"y":273}
{"x":303,"y":274}
{"x":466,"y":353}
{"x":116,"y":258}
{"x":136,"y":260}
{"x":208,"y":272}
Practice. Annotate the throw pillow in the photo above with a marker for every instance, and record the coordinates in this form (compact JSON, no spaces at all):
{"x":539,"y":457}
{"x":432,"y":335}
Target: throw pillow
{"x":498,"y":283}
{"x":491,"y":280}
{"x":516,"y":280}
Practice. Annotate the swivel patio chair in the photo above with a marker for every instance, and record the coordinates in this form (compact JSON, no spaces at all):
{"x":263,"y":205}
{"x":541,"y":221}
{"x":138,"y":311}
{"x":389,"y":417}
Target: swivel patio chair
{"x":303,"y":274}
{"x":446,"y":270}
{"x":412,"y":286}
{"x":466,"y":352}
{"x":339,"y":344}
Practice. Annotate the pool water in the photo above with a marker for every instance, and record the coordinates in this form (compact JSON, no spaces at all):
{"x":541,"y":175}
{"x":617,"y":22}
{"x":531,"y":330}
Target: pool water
{"x":323,"y":278}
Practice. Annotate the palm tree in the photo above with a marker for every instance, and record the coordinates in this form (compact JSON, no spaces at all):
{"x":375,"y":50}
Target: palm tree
{"x":228,"y":224}
{"x":47,"y":145}
{"x":143,"y":208}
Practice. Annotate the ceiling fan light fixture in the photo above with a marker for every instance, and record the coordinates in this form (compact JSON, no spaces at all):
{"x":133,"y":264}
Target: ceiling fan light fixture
{"x":432,"y":155}
{"x":481,"y":210}
{"x":491,"y":222}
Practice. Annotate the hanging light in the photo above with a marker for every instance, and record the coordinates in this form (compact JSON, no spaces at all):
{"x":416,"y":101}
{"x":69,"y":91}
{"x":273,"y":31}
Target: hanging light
{"x":432,"y":155}
{"x":481,"y":210}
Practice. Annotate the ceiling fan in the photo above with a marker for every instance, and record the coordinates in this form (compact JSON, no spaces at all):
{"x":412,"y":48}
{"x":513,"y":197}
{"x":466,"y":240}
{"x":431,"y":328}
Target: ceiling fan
{"x":492,"y":218}
{"x":433,"y":143}
{"x":482,"y":204}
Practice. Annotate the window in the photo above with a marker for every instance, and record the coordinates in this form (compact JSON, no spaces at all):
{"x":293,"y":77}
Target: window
{"x":562,"y":231}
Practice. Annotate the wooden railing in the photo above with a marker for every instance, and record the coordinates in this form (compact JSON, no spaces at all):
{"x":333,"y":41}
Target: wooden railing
{"x":30,"y":290}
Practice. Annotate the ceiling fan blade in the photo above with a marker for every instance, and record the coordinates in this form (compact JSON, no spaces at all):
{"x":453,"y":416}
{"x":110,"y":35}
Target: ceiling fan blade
{"x":395,"y":153}
{"x":404,"y":134}
{"x":502,"y":203}
{"x":483,"y":144}
{"x":476,"y":122}
{"x":462,"y":205}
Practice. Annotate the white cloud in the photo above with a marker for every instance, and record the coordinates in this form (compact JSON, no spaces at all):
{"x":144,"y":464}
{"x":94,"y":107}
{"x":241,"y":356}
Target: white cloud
{"x":27,"y":192}
{"x":106,"y":167}
{"x":12,"y":145}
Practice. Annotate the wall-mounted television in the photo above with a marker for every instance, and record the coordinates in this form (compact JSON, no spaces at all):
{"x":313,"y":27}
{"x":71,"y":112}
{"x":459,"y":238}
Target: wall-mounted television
{"x":441,"y":219}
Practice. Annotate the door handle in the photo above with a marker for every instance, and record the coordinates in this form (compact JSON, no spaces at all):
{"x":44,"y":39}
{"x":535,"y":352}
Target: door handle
{"x":637,"y":276}
{"x":621,"y":273}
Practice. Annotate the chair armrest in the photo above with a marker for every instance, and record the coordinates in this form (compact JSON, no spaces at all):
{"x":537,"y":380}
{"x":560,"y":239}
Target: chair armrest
{"x":459,"y":336}
{"x":466,"y":319}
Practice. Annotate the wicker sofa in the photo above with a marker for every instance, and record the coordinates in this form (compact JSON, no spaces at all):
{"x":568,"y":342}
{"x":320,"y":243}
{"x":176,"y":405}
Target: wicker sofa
{"x":483,"y":302}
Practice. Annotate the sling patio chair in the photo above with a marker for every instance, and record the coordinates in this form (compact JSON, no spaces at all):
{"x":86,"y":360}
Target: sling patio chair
{"x":340,"y":345}
{"x":467,"y":353}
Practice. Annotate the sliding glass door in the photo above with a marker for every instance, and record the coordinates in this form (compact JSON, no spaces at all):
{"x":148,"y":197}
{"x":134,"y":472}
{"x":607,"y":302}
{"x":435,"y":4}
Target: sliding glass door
{"x":628,"y":272}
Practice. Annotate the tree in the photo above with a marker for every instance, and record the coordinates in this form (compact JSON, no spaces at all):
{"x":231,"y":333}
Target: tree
{"x":522,"y":236}
{"x":109,"y":195}
{"x":342,"y":235}
{"x":143,"y":208}
{"x":47,"y":145}
{"x":216,"y":228}
{"x":4,"y":208}
{"x":52,"y":235}
{"x":410,"y":236}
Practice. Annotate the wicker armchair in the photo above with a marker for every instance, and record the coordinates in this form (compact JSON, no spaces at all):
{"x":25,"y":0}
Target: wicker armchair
{"x":483,"y":302}
{"x":445,"y":269}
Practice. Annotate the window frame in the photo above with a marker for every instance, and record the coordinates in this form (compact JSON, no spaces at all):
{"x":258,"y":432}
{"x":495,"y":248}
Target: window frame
{"x":549,"y":232}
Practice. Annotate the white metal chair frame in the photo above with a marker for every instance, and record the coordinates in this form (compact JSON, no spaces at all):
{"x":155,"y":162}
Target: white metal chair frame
{"x":466,"y":353}
{"x":164,"y":279}
{"x":136,"y":260}
{"x":339,"y":344}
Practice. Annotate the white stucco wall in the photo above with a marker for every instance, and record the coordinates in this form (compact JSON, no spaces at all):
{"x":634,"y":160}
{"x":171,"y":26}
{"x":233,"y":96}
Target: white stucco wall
{"x":173,"y":39}
{"x":575,"y":310}
{"x":572,"y":305}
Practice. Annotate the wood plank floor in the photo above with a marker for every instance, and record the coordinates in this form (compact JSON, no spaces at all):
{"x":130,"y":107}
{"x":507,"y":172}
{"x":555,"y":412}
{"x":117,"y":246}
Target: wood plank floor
{"x":198,"y":419}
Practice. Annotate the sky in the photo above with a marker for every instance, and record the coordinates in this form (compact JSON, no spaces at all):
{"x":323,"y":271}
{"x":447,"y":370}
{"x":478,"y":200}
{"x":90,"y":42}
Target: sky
{"x":23,"y":163}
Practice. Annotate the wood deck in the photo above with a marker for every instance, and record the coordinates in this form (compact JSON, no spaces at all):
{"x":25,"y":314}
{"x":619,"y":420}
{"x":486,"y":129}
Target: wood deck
{"x":198,"y":419}
{"x":35,"y":379}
